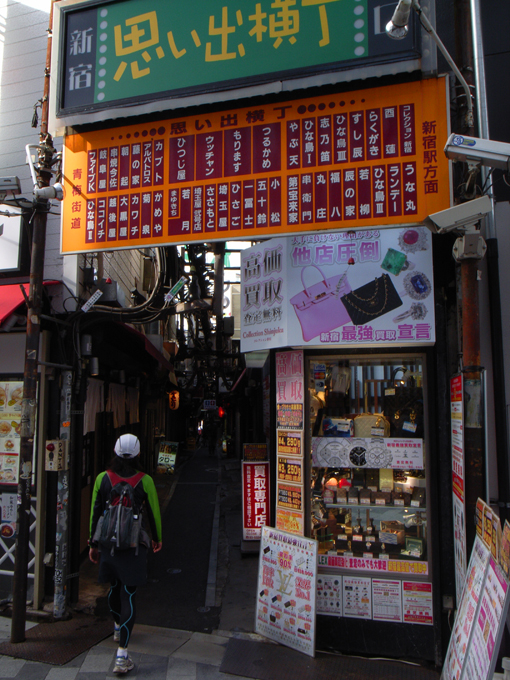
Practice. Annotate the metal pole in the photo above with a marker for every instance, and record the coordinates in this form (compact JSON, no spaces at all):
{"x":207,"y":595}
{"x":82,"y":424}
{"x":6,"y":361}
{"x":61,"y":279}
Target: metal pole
{"x":29,"y":403}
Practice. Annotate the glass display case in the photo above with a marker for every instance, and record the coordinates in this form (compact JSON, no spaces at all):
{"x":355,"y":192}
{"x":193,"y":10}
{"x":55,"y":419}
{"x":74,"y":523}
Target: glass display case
{"x":368,"y":495}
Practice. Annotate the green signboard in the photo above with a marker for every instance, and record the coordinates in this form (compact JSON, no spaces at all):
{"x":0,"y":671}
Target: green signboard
{"x":140,"y":50}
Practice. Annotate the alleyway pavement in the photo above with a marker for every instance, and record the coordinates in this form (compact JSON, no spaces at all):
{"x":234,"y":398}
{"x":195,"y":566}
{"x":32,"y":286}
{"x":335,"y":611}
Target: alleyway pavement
{"x":196,"y":616}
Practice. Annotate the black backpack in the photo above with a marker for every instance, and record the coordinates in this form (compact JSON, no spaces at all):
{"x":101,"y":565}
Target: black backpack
{"x":120,"y":526}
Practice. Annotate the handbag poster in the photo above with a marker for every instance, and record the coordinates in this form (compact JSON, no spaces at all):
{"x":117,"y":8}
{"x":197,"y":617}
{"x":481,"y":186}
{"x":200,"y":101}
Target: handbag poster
{"x":364,"y":288}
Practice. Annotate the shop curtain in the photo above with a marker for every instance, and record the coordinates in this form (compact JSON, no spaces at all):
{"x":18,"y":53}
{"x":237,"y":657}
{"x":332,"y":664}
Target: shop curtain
{"x":132,"y":405}
{"x":117,"y":403}
{"x":94,"y":404}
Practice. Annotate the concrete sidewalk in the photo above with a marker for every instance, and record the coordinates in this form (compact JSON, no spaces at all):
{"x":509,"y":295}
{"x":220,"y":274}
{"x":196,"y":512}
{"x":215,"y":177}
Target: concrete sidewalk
{"x":158,"y":654}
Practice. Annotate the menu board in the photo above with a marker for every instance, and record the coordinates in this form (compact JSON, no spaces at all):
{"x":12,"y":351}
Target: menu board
{"x":286,"y":589}
{"x":11,"y":395}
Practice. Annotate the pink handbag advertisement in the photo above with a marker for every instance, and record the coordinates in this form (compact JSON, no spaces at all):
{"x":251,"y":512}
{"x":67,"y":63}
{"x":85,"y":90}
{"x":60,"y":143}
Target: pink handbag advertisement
{"x":319,"y":307}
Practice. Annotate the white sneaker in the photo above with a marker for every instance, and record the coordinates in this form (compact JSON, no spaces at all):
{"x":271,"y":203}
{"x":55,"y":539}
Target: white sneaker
{"x":123,"y":664}
{"x":116,"y":633}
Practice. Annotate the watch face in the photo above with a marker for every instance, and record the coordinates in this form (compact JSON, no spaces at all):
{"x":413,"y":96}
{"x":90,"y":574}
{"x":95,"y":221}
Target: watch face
{"x":358,"y":456}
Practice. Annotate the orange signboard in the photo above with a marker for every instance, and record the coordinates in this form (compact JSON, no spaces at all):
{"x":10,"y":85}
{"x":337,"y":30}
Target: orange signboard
{"x":368,"y":158}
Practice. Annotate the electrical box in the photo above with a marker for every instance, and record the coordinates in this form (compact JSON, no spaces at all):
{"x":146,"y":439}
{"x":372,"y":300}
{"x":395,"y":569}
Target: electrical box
{"x":57,"y":455}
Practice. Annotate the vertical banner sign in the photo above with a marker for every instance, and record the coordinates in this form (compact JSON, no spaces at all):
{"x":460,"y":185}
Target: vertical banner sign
{"x":458,"y":486}
{"x":255,"y":499}
{"x":287,"y":584}
{"x":365,"y":159}
{"x":290,"y":404}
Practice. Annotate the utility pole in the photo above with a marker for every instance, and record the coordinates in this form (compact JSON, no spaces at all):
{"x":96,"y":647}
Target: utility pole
{"x":29,"y":402}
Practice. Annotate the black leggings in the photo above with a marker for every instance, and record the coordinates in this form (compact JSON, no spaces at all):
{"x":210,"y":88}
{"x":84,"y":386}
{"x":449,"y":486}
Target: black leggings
{"x":121,"y":600}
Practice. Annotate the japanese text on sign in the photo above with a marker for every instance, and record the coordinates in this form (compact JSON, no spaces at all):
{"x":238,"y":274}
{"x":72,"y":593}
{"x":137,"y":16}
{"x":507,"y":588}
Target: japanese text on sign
{"x":296,"y":167}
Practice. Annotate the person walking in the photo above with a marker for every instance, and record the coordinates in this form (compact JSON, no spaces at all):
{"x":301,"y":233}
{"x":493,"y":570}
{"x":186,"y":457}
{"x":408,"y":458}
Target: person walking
{"x":125,"y":569}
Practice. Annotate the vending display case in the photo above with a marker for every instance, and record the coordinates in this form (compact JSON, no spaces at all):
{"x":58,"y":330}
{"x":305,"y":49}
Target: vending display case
{"x":369,"y":490}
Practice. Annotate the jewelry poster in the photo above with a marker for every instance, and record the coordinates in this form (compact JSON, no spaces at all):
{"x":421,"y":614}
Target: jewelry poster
{"x":11,"y":394}
{"x":365,"y":288}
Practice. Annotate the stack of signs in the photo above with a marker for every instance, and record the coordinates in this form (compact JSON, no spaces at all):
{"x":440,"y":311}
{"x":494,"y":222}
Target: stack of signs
{"x":483,"y":606}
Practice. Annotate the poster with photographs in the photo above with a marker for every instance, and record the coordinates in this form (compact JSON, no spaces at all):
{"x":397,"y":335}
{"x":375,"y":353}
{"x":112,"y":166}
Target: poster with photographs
{"x":11,"y":394}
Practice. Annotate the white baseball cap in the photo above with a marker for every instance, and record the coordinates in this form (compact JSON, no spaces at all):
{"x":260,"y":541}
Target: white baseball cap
{"x":127,"y":446}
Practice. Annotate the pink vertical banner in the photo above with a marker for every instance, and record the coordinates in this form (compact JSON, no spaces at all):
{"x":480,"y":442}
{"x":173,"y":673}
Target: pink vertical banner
{"x":379,"y":190}
{"x":309,"y":143}
{"x":394,"y":190}
{"x":123,"y":217}
{"x":356,"y":136}
{"x":390,"y":132}
{"x":124,"y":160}
{"x":407,"y":130}
{"x":91,"y":220}
{"x":237,"y":152}
{"x":267,"y":144}
{"x":275,"y":202}
{"x":335,"y":195}
{"x":111,"y":234}
{"x":249,"y":204}
{"x":134,"y":216}
{"x":364,"y":193}
{"x":101,"y":220}
{"x":209,"y":155}
{"x":136,"y":166}
{"x":198,"y":209}
{"x":146,"y":215}
{"x":182,"y":159}
{"x":236,"y":205}
{"x":223,"y":200}
{"x":340,"y":139}
{"x":410,"y":192}
{"x":307,"y":198}
{"x":373,"y":134}
{"x":293,"y":144}
{"x":210,"y":208}
{"x":255,"y":499}
{"x":92,"y":172}
{"x":157,"y":213}
{"x":102,"y":170}
{"x":113,"y":168}
{"x":159,"y":162}
{"x":147,"y":164}
{"x":290,"y":377}
{"x":350,"y":199}
{"x":324,"y":141}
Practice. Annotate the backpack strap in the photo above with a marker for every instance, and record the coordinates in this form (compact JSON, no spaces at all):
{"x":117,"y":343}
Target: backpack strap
{"x":132,"y":481}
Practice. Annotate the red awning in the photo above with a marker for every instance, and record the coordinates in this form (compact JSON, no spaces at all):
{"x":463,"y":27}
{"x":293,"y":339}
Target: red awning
{"x":11,"y":297}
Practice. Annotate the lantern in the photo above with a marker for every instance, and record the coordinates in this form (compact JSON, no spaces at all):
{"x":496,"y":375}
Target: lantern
{"x":173,"y":400}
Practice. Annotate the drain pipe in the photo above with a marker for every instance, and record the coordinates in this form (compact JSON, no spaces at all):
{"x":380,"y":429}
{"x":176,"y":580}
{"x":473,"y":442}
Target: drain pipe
{"x":492,"y":256}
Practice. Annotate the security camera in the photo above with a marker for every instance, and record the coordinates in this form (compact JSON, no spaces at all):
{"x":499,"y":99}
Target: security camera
{"x":478,"y":151}
{"x":461,"y":217}
{"x":56,"y":191}
{"x":10,"y":185}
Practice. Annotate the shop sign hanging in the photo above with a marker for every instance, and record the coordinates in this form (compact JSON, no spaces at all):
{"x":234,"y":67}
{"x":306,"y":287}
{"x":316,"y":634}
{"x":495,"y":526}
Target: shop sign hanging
{"x":128,"y":52}
{"x":363,"y":159}
{"x":255,"y":499}
{"x":364,"y":288}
